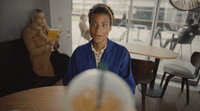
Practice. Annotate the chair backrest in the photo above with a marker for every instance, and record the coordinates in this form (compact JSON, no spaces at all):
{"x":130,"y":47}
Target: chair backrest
{"x":195,"y":61}
{"x":158,"y":29}
{"x":189,"y":40}
{"x":188,"y":35}
{"x":141,"y":68}
{"x":122,"y":36}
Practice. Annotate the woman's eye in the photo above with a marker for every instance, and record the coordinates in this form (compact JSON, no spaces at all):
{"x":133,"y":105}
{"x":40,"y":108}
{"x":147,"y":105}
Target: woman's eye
{"x":94,"y":24}
{"x":104,"y":25}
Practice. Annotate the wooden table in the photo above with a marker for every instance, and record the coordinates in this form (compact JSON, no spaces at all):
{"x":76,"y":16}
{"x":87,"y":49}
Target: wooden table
{"x":50,"y":98}
{"x":151,"y":51}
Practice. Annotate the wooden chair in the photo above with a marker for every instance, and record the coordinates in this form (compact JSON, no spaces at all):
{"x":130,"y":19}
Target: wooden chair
{"x":142,"y":75}
{"x":183,"y":72}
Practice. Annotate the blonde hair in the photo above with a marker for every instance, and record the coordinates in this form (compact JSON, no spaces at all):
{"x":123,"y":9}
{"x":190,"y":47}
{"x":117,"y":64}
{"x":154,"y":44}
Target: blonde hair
{"x":82,"y":16}
{"x":33,"y":21}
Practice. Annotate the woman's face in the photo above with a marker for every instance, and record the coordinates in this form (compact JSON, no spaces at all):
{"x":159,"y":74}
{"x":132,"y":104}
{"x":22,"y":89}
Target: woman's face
{"x":100,"y":28}
{"x":85,"y":18}
{"x":41,"y":19}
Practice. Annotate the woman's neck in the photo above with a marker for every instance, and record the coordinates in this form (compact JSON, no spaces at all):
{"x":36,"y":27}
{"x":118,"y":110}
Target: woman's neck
{"x":38,"y":27}
{"x":99,"y":46}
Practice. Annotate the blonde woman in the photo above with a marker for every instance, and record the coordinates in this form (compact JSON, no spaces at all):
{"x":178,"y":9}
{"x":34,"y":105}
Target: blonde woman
{"x":44,"y":56}
{"x":85,"y":33}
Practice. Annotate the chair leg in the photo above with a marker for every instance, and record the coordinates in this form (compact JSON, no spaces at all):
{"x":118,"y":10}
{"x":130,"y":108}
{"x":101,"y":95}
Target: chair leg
{"x":181,"y":51}
{"x":163,"y":77}
{"x":182,"y":85}
{"x":144,"y":87}
{"x":171,"y":42}
{"x":187,"y":88}
{"x":166,"y":83}
{"x":190,"y":50}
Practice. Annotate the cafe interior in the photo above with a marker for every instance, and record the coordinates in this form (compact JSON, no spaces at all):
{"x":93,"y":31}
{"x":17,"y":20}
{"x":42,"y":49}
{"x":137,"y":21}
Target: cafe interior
{"x":166,"y":75}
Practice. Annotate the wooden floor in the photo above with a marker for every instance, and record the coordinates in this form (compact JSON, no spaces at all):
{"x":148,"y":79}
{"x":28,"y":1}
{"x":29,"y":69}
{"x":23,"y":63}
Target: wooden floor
{"x":173,"y":100}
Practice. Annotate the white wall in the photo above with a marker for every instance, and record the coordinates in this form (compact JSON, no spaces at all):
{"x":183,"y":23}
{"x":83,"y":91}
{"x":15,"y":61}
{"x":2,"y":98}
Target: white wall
{"x":60,"y":14}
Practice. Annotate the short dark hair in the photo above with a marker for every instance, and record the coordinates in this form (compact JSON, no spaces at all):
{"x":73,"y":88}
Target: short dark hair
{"x":190,"y":21}
{"x":101,"y":9}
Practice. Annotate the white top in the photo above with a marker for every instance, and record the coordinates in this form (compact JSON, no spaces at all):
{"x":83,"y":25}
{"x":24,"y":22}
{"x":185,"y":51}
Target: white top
{"x":98,"y":56}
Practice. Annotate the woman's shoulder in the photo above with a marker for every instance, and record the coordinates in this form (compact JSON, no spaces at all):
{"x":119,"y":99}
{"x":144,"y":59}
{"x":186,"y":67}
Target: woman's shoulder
{"x":114,"y":47}
{"x":82,"y":48}
{"x":30,"y":30}
{"x":81,"y":22}
{"x":117,"y":46}
{"x":27,"y":29}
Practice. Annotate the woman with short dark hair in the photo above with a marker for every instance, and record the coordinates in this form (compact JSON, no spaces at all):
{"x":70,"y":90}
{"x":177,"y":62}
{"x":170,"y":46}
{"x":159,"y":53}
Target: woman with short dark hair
{"x":100,"y":52}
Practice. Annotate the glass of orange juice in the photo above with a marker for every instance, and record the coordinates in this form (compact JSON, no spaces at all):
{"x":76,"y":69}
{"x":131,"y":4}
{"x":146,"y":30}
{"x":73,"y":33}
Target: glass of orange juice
{"x":82,"y":92}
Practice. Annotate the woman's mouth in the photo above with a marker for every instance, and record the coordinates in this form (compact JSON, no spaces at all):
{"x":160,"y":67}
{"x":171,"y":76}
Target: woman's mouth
{"x":97,"y":35}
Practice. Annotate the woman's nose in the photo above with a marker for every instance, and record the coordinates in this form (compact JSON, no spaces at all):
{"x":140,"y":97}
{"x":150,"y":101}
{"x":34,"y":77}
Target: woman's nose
{"x":43,"y":19}
{"x":97,"y":28}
